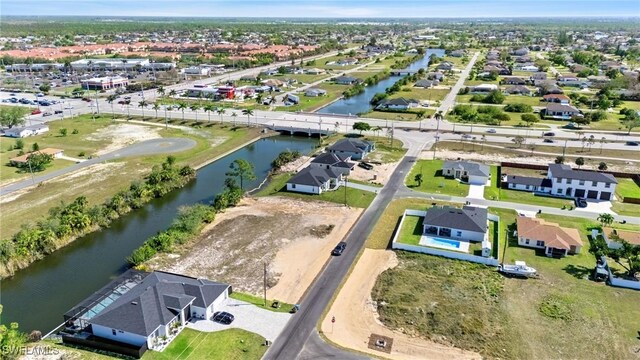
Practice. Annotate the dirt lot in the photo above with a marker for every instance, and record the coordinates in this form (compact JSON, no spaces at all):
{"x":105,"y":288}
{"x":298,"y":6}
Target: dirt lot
{"x":357,"y":319}
{"x":122,"y":135}
{"x":292,"y":236}
{"x":379,"y":175}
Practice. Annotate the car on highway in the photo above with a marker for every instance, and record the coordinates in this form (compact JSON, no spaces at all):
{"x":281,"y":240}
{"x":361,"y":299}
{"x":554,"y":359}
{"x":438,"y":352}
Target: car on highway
{"x":339,"y":249}
{"x":549,"y":134}
{"x":581,"y":203}
{"x":548,"y":140}
{"x":223,"y":317}
{"x":68,"y":106}
{"x":36,"y":112}
{"x":491,"y":131}
{"x":39,"y":95}
{"x":58,"y":112}
{"x":466,"y":136}
{"x":632,"y":143}
{"x":47,"y":113}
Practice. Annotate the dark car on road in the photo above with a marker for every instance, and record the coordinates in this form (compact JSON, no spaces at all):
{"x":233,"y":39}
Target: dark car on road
{"x":58,"y":112}
{"x":581,"y":203}
{"x":223,"y":317}
{"x":548,"y":140}
{"x":632,"y":143}
{"x":549,"y":134}
{"x":339,"y":249}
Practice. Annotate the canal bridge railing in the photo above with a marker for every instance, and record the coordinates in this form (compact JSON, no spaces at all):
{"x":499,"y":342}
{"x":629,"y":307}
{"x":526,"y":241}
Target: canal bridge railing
{"x":293,"y":130}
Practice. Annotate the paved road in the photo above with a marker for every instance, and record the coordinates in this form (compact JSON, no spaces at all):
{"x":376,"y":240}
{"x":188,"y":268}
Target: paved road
{"x":149,"y":147}
{"x":450,"y":99}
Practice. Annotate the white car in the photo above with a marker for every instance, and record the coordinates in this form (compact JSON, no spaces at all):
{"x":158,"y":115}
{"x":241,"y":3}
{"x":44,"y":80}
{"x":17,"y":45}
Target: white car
{"x":68,"y":106}
{"x":491,"y":131}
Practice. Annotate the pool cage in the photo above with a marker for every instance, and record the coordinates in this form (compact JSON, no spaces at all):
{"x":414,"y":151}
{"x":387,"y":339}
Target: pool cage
{"x":76,"y":319}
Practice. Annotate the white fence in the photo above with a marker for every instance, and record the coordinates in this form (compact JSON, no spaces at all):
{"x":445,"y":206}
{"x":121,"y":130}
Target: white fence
{"x":437,"y":252}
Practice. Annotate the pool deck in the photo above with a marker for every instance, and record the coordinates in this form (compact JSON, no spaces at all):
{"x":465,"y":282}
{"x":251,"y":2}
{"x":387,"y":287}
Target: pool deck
{"x":429,"y":242}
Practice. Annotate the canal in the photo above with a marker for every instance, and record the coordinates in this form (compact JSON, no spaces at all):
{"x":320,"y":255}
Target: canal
{"x":39,"y":295}
{"x":360,"y":103}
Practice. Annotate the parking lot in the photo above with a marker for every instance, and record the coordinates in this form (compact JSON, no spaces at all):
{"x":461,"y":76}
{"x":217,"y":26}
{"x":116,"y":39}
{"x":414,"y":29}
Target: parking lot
{"x":268,"y":324}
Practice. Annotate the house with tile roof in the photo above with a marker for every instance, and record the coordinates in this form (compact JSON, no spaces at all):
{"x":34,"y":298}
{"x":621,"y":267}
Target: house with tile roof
{"x":612,"y":236}
{"x":556,"y":241}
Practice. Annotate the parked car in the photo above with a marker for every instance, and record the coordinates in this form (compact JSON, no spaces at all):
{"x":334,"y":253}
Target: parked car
{"x":365,"y":165}
{"x":223,"y":317}
{"x":549,"y":134}
{"x":632,"y":143}
{"x":39,"y":95}
{"x":36,"y":112}
{"x":548,"y":140}
{"x":581,"y":203}
{"x":337,"y":251}
{"x":491,"y":131}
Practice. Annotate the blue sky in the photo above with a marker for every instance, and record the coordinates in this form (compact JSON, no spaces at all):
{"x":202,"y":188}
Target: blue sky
{"x":327,"y":8}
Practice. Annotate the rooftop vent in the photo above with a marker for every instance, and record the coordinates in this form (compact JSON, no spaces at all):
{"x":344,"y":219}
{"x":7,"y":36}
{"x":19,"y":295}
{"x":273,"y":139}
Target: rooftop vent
{"x":134,"y":303}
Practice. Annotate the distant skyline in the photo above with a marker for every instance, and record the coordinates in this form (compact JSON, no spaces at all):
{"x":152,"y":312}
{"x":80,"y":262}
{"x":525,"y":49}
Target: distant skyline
{"x":325,"y":9}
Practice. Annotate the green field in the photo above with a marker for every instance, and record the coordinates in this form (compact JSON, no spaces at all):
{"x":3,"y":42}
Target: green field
{"x":509,"y":99}
{"x":627,"y":187}
{"x":308,"y":103}
{"x":399,"y":116}
{"x":433,"y":182}
{"x":431,"y":95}
{"x":259,"y":302}
{"x":228,"y":344}
{"x":411,"y":230}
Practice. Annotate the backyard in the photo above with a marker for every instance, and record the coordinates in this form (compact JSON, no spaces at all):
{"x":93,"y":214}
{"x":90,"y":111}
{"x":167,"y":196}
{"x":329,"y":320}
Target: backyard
{"x":433,"y":181}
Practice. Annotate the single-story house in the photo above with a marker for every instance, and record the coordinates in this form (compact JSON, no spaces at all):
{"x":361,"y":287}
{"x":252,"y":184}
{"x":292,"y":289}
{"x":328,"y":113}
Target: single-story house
{"x":435,"y":75}
{"x":612,"y":237}
{"x":570,"y":80}
{"x":22,"y":159}
{"x":538,"y":77}
{"x":513,"y":80}
{"x":313,"y":180}
{"x":468,"y":223}
{"x":355,"y":149}
{"x":339,"y":165}
{"x":272,"y":82}
{"x":556,"y":241}
{"x":457,"y":53}
{"x":346,"y":80}
{"x":315,"y":71}
{"x":426,"y":83}
{"x":445,"y":66}
{"x":145,"y":307}
{"x":556,"y":98}
{"x":347,"y":62}
{"x":517,"y":90}
{"x":528,"y":183}
{"x":314,"y":92}
{"x":523,"y":59}
{"x":561,"y":111}
{"x":398,"y":104}
{"x":531,"y":68}
{"x":467,"y":171}
{"x":20,"y":132}
{"x":483,"y":88}
{"x":520,"y":52}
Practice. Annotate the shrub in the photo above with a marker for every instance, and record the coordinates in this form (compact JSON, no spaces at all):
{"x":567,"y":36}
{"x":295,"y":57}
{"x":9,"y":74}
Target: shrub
{"x":518,"y":108}
{"x":75,"y":131}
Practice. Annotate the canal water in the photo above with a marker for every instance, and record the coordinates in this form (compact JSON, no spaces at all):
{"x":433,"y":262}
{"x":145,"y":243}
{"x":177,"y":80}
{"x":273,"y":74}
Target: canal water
{"x":360,"y":103}
{"x":39,"y":295}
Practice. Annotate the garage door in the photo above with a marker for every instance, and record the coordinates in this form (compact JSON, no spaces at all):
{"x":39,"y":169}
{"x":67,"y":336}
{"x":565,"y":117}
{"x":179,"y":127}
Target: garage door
{"x":593,"y":194}
{"x":605,"y":196}
{"x":579,"y":193}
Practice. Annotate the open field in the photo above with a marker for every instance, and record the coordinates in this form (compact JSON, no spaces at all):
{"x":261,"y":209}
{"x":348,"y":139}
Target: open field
{"x":626,"y":209}
{"x":307,"y":103}
{"x":509,"y":99}
{"x":399,"y":116}
{"x":431,"y":95}
{"x":433,"y":181}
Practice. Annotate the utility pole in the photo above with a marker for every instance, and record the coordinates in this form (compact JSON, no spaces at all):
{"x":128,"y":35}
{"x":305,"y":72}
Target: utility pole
{"x":565,"y":146}
{"x":346,"y":179}
{"x":264,"y":287}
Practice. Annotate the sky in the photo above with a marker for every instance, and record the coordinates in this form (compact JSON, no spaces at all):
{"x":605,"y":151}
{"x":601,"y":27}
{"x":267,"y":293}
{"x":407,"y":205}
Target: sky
{"x":326,"y":8}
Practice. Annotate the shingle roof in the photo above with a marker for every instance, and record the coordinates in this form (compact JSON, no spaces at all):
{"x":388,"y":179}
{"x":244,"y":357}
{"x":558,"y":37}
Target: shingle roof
{"x":526,"y":180}
{"x":564,"y":171}
{"x":468,"y":218}
{"x":312,"y":176}
{"x":473,"y":168}
{"x":350,"y":145}
{"x":400,"y":101}
{"x":333,"y":160}
{"x":561,"y":108}
{"x":151,"y":303}
{"x":552,"y":234}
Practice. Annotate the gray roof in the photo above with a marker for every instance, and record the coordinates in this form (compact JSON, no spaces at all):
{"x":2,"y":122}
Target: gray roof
{"x":527,"y":180}
{"x":556,"y":107}
{"x":472,"y":168}
{"x":152,"y":302}
{"x":564,"y":171}
{"x":399,"y":101}
{"x":423,"y":83}
{"x":312,"y":176}
{"x":468,"y":218}
{"x":333,"y":160}
{"x":346,"y":79}
{"x":518,"y":89}
{"x":350,"y":145}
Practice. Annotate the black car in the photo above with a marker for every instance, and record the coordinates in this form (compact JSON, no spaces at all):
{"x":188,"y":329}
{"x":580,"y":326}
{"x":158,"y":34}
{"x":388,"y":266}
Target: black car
{"x":223,"y":317}
{"x":632,"y":143}
{"x":337,"y":251}
{"x":549,"y":134}
{"x":581,"y":203}
{"x":548,"y":140}
{"x":365,"y":165}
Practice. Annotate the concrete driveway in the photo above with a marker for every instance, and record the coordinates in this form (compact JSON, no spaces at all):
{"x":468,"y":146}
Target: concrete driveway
{"x":476,"y":191}
{"x":598,"y":207}
{"x":268,"y":324}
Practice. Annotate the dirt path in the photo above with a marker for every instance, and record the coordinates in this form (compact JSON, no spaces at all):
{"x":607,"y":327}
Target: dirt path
{"x":356,"y":317}
{"x":292,"y":236}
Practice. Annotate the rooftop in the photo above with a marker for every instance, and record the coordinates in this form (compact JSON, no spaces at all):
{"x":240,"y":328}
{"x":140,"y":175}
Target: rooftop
{"x":552,"y":234}
{"x":564,"y":171}
{"x":468,"y":218}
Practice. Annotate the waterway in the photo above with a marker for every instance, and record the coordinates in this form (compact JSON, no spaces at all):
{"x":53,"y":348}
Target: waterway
{"x":360,"y":103}
{"x":39,"y":295}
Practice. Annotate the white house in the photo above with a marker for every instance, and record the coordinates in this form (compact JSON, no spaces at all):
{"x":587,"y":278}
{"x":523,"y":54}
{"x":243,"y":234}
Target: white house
{"x":612,"y":236}
{"x":483,"y":88}
{"x":196,"y":70}
{"x":467,"y":171}
{"x":314,"y":92}
{"x":314,"y":180}
{"x":561,"y":111}
{"x":531,"y":68}
{"x":355,"y":149}
{"x":339,"y":165}
{"x":527,"y":183}
{"x":398,"y":104}
{"x":468,"y":223}
{"x":20,"y":132}
{"x":556,"y":241}
{"x":566,"y":181}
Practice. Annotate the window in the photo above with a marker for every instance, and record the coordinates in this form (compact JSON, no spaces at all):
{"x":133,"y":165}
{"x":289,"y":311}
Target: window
{"x":113,"y":332}
{"x":559,"y":191}
{"x":528,"y":187}
{"x":566,"y":181}
{"x":594,"y":183}
{"x":581,"y":182}
{"x":293,"y":186}
{"x":458,"y":233}
{"x":607,"y":185}
{"x":526,"y":241}
{"x":539,"y":243}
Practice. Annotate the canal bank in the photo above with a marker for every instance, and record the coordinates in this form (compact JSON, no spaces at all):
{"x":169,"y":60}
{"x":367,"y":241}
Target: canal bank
{"x":37,"y":296}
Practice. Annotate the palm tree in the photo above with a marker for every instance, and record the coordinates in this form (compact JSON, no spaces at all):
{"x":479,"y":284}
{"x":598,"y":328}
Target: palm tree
{"x":376,"y":130}
{"x":484,"y":140}
{"x":208,"y":109}
{"x":182,"y":106}
{"x":234,"y":115}
{"x":110,"y":100}
{"x":249,"y":113}
{"x":156,"y":107}
{"x":195,"y":108}
{"x":173,"y":93}
{"x":221,"y":112}
{"x":161,"y":90}
{"x":142,"y":104}
{"x":605,"y":219}
{"x":124,"y":66}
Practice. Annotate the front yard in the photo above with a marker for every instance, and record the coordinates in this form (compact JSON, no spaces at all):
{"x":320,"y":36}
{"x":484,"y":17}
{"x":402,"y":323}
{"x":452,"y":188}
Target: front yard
{"x":433,"y":181}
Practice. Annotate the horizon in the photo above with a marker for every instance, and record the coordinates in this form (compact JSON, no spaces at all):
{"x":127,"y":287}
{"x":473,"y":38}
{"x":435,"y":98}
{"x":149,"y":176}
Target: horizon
{"x":330,"y":9}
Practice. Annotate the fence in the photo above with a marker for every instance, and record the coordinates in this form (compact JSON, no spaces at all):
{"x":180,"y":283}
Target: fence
{"x":633,"y":176}
{"x":437,"y":252}
{"x":631,"y":200}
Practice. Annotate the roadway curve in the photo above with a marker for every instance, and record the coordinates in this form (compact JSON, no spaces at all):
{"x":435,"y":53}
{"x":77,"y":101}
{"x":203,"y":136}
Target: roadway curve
{"x":149,"y":147}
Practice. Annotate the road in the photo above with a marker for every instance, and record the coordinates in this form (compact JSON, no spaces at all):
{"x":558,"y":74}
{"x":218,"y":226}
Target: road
{"x":450,"y":99}
{"x":149,"y":147}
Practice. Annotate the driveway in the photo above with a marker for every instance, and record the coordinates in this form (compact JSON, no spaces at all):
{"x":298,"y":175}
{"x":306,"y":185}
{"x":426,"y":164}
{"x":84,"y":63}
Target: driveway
{"x":476,"y":191}
{"x":268,"y":324}
{"x":598,"y":207}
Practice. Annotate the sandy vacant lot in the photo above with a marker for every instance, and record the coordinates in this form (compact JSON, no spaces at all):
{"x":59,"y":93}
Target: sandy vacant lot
{"x":380,"y":174}
{"x":356,"y":317}
{"x":122,"y":135}
{"x":293,"y":237}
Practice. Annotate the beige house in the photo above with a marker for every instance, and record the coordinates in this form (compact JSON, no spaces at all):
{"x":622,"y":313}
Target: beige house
{"x":556,"y":241}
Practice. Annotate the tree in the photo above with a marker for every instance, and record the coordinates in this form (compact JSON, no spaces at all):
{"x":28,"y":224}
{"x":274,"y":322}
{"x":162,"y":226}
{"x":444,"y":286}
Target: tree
{"x":142,"y":104}
{"x":35,"y":147}
{"x":208,"y":108}
{"x":11,"y":339}
{"x":221,"y":111}
{"x":11,"y":116}
{"x":19,"y":145}
{"x":156,"y":107}
{"x":602,"y":141}
{"x":243,"y":170}
{"x":602,"y":166}
{"x":234,"y":115}
{"x":529,"y":118}
{"x":63,"y":132}
{"x":111,"y":99}
{"x":605,"y":219}
{"x":38,"y":161}
{"x":631,"y":121}
{"x":161,"y":90}
{"x":45,"y":88}
{"x":195,"y":108}
{"x":182,"y":106}
{"x":579,"y":162}
{"x":249,"y":113}
{"x":172,"y":93}
{"x":418,"y":179}
{"x":361,"y":126}
{"x":518,"y":140}
{"x":627,"y":256}
{"x":559,"y":160}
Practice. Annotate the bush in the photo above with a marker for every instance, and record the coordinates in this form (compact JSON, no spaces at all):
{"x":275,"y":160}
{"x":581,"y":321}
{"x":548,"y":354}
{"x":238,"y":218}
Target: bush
{"x":75,"y":131}
{"x":518,"y":108}
{"x":285,"y":157}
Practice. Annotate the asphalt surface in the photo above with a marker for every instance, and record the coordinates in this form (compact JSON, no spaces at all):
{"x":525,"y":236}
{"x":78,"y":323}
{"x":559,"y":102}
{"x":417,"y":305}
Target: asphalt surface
{"x":149,"y":147}
{"x":450,"y":99}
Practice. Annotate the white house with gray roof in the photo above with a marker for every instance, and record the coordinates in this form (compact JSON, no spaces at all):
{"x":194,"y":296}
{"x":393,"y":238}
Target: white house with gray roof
{"x":468,"y":223}
{"x":355,"y":149}
{"x":467,"y":171}
{"x":337,"y":164}
{"x":314,"y":180}
{"x":566,"y":181}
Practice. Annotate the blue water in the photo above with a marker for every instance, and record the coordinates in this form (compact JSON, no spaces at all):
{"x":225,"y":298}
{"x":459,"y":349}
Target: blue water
{"x":452,"y":244}
{"x":360,"y":103}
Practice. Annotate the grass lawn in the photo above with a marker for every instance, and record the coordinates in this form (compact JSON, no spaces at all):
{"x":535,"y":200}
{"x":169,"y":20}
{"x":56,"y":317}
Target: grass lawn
{"x":433,"y":181}
{"x":625,"y":209}
{"x":307,"y":103}
{"x":432,"y":95}
{"x":259,"y":302}
{"x":305,"y":78}
{"x":386,"y":152}
{"x":627,"y":187}
{"x":398,"y":116}
{"x":509,"y":99}
{"x":411,"y":230}
{"x":227,"y":344}
{"x":355,"y":197}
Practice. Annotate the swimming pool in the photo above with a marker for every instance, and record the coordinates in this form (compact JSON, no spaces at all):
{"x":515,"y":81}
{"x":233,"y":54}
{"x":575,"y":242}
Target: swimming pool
{"x":446,"y":244}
